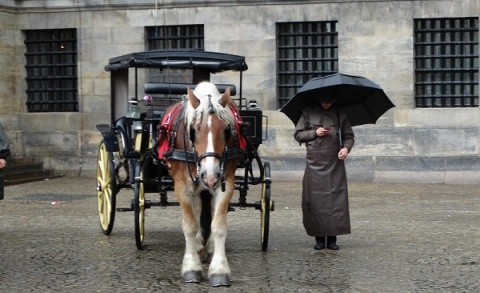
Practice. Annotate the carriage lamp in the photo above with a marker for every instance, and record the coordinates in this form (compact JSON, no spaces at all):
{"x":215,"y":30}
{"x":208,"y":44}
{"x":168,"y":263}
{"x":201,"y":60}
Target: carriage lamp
{"x":252,"y":104}
{"x":133,"y":109}
{"x":137,"y":126}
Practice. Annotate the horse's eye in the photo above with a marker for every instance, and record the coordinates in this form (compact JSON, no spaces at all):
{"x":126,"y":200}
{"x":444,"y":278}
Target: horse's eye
{"x":228,"y":134}
{"x":192,"y":134}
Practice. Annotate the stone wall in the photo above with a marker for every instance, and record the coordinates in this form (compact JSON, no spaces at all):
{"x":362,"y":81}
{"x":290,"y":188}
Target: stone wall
{"x":11,"y":105}
{"x":375,"y":40}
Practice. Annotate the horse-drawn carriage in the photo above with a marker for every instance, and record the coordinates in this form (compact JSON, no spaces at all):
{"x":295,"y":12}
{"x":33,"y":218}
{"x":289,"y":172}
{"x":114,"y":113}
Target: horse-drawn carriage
{"x":186,"y":135}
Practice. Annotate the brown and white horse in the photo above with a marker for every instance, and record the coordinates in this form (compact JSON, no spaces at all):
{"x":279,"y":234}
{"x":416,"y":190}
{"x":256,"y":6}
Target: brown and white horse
{"x":207,"y":134}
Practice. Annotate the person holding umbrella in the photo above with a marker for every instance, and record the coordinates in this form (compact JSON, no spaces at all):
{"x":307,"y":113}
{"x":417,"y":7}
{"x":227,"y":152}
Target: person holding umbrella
{"x":328,"y":136}
{"x":324,"y":110}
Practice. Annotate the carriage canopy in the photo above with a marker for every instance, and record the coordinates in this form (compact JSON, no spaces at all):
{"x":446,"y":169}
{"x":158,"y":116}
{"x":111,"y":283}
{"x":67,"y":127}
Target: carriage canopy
{"x":214,"y":62}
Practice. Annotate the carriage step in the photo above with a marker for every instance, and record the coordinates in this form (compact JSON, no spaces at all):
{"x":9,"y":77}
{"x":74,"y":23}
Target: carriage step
{"x":163,"y":204}
{"x":148,"y":204}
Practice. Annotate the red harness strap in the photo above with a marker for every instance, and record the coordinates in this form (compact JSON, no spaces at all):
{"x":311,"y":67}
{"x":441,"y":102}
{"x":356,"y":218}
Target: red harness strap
{"x":242,"y":143}
{"x":166,"y":126}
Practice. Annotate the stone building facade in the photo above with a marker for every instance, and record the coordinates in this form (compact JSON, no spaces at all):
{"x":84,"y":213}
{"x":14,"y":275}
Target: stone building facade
{"x":375,"y":39}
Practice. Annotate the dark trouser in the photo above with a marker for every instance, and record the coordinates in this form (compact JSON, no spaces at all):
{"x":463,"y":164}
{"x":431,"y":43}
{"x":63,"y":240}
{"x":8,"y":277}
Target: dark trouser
{"x":330,"y":239}
{"x":2,"y":184}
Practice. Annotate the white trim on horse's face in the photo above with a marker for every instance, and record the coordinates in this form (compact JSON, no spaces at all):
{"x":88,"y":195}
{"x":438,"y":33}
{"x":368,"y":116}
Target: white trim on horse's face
{"x":210,"y":163}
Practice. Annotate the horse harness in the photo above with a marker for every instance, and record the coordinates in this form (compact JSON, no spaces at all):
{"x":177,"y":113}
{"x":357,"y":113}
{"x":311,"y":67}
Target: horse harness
{"x":169,"y":128}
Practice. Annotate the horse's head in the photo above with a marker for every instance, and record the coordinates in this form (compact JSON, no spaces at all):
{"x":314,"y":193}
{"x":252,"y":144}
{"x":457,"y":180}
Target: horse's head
{"x":210,"y":123}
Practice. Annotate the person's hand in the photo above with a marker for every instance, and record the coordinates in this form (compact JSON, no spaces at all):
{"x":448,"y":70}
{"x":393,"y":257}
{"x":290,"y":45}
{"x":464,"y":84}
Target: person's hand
{"x":321,"y":131}
{"x":3,"y":163}
{"x":343,"y":153}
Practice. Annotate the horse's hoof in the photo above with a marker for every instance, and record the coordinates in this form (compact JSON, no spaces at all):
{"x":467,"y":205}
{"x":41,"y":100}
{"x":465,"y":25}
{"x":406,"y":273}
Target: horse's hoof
{"x":218,"y":280}
{"x":192,"y":277}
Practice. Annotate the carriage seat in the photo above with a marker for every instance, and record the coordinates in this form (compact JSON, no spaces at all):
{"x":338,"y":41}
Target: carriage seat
{"x":155,"y":115}
{"x":180,"y":88}
{"x":124,"y":129}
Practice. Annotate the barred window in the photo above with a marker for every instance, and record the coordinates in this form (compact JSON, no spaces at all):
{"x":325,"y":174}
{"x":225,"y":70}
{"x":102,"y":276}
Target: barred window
{"x":172,"y":37}
{"x":304,"y":50}
{"x":175,"y":37}
{"x":446,"y":62}
{"x":51,"y":70}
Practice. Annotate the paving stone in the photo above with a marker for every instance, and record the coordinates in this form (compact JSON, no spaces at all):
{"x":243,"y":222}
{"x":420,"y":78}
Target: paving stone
{"x":405,"y":238}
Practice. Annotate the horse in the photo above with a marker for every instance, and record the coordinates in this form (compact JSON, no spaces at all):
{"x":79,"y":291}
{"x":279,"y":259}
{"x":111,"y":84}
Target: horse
{"x":203,"y":158}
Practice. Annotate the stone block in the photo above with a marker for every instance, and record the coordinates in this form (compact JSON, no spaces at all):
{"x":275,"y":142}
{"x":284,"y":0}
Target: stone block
{"x":360,"y":169}
{"x":15,"y":140}
{"x":360,"y":163}
{"x":54,"y":121}
{"x":90,"y":143}
{"x":135,"y":35}
{"x":97,"y":35}
{"x":462,"y":163}
{"x":91,"y":120}
{"x":413,"y":164}
{"x":443,"y":117}
{"x":96,"y":104}
{"x":360,"y":175}
{"x":462,"y":177}
{"x":409,"y":177}
{"x":51,"y":143}
{"x":383,"y":141}
{"x":442,"y":142}
{"x":70,"y":165}
{"x":110,"y":18}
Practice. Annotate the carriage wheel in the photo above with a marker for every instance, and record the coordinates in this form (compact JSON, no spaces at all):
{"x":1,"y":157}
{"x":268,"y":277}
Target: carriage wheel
{"x":106,"y":188}
{"x":265,"y":207}
{"x":139,"y":204}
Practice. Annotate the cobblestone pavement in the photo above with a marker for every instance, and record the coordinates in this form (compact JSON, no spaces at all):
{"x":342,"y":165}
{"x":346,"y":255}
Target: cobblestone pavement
{"x":405,"y":238}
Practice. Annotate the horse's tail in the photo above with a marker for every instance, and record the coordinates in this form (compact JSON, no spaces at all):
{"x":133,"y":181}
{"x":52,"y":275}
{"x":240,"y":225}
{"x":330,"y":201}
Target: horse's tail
{"x":206,"y":214}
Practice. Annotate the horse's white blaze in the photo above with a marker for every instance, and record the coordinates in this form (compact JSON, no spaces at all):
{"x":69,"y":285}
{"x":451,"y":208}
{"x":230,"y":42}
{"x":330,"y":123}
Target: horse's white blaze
{"x":209,"y":164}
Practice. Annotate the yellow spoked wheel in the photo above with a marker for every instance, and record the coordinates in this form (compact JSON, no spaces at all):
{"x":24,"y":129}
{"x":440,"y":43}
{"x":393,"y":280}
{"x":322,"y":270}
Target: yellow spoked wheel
{"x":106,"y":188}
{"x":139,"y":204}
{"x":266,"y":205}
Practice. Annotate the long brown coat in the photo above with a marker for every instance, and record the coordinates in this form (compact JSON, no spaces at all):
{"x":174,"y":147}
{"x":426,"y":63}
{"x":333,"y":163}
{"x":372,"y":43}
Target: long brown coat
{"x":325,"y":192}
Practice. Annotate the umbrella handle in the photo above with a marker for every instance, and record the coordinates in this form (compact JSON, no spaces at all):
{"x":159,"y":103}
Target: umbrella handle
{"x":339,"y":128}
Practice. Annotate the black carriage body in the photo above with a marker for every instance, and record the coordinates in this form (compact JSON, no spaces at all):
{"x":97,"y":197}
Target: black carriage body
{"x":129,"y":141}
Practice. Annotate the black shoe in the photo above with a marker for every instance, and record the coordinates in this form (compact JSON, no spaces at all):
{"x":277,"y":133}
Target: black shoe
{"x":320,"y":242}
{"x":319,"y":246}
{"x":333,"y":246}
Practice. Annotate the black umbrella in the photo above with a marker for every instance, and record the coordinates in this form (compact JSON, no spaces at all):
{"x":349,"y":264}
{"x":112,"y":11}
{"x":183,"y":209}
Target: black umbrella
{"x":360,"y":98}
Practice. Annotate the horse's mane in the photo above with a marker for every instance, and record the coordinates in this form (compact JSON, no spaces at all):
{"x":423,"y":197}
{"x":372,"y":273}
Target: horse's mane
{"x":209,"y":97}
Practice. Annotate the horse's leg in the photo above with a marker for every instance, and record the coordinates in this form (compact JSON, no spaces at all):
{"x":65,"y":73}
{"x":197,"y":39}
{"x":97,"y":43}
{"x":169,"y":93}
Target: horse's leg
{"x":219,"y":270}
{"x":191,"y":266}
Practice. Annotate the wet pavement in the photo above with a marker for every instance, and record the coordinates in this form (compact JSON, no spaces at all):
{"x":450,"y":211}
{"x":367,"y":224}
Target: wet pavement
{"x":405,"y":238}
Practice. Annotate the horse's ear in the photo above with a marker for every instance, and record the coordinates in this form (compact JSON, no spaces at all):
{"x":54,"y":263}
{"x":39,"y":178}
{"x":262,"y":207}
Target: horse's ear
{"x":225,"y":99}
{"x":194,"y":101}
